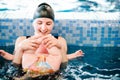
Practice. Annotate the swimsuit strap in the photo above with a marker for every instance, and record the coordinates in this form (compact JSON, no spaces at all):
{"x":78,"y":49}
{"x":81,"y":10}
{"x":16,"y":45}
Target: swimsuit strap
{"x":56,"y":36}
{"x":27,"y":36}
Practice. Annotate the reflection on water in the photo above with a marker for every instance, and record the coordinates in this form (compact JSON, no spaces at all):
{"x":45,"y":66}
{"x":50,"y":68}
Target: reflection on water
{"x":63,"y":5}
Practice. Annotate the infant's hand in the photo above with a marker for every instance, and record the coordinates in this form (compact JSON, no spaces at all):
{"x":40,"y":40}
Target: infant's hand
{"x":79,"y":53}
{"x":2,"y":53}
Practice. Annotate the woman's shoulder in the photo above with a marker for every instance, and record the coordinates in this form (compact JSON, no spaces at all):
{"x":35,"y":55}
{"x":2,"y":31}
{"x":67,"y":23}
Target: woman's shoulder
{"x":61,"y":38}
{"x":21,"y":38}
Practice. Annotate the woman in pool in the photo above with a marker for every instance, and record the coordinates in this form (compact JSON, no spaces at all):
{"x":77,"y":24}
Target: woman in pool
{"x":43,"y":48}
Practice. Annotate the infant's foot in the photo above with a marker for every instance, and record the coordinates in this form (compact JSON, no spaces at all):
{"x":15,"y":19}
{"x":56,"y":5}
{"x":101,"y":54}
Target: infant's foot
{"x":79,"y":53}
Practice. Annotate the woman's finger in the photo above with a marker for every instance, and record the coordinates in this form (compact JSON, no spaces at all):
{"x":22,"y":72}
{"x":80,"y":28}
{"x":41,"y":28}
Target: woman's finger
{"x":37,"y":42}
{"x":32,"y":48}
{"x":45,"y":41}
{"x":49,"y":44}
{"x":35,"y":45}
{"x":34,"y":37}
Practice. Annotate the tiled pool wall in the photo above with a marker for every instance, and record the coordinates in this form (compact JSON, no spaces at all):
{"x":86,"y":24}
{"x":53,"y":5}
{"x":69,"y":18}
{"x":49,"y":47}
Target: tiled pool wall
{"x":98,"y":33}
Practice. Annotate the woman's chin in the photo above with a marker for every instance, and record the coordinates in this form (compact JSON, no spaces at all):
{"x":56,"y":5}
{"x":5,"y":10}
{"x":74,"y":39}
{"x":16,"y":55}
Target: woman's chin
{"x":42,"y":34}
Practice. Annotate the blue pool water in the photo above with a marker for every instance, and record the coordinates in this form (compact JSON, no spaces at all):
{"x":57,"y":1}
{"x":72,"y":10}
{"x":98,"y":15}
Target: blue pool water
{"x":98,"y":63}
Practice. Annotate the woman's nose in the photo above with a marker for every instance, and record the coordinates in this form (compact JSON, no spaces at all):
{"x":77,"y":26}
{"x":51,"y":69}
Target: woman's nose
{"x":43,"y":28}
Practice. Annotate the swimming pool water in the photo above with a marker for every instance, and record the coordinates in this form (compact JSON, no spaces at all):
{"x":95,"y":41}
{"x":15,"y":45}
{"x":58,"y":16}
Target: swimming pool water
{"x":98,"y":63}
{"x":64,"y":6}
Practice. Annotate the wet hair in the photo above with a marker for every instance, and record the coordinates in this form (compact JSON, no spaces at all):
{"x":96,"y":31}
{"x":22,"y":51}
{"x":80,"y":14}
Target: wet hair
{"x":44,"y":10}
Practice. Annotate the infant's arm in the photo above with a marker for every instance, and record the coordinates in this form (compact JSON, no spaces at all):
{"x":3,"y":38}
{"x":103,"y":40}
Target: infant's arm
{"x":6,"y":55}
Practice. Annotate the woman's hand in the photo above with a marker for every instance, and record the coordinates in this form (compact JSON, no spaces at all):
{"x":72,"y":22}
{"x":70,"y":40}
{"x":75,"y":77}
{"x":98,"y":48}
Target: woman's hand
{"x":50,"y":41}
{"x":31,"y":43}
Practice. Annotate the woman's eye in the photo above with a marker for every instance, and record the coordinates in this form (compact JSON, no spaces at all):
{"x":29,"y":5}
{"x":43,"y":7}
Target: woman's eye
{"x":39,"y":23}
{"x":49,"y":23}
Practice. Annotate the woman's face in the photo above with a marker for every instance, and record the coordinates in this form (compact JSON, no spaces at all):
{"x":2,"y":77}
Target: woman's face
{"x":43,"y":26}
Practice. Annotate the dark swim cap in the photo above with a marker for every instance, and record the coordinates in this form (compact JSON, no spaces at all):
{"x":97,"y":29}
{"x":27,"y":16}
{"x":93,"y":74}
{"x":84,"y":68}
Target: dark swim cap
{"x":44,"y":10}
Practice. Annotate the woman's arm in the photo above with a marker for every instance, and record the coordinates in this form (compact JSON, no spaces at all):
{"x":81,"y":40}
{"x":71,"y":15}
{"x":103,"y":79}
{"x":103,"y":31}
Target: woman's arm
{"x":63,"y":47}
{"x":54,"y":57}
{"x":18,"y":51}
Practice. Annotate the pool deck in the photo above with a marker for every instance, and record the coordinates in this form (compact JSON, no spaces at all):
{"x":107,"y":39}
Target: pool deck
{"x":63,"y":15}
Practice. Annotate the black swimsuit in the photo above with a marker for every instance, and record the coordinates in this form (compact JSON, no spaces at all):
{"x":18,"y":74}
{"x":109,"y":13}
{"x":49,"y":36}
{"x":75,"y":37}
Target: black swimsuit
{"x":56,"y":36}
